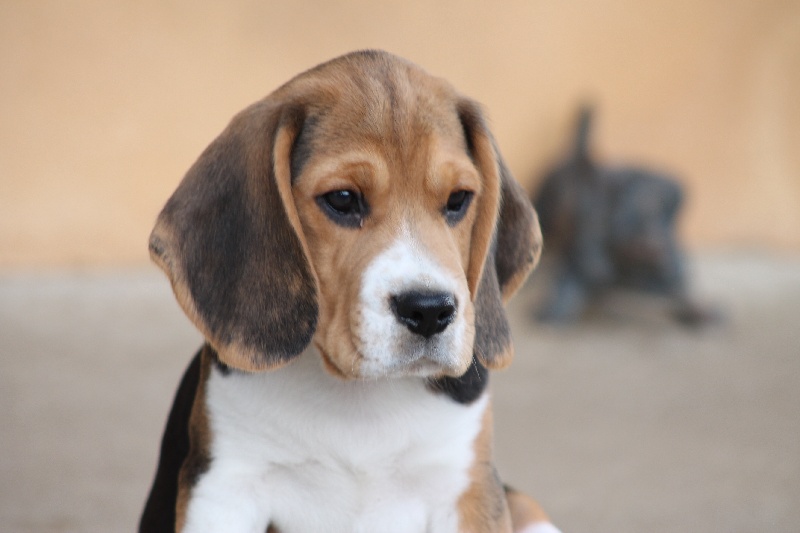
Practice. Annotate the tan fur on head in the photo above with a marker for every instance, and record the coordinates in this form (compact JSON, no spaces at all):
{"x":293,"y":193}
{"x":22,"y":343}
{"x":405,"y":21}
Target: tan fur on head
{"x":261,"y":269}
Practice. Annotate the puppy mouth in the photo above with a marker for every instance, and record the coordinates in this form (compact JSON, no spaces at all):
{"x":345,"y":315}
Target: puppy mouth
{"x":425,"y":363}
{"x":425,"y":359}
{"x":420,"y":366}
{"x":370,"y":368}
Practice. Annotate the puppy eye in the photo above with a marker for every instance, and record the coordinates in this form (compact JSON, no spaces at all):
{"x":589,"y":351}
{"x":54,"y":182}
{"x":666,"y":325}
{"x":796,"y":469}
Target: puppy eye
{"x":344,"y":202}
{"x":457,"y":204}
{"x":344,"y":207}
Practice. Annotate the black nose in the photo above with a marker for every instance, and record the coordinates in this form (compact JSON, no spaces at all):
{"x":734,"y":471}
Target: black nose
{"x":425,"y":313}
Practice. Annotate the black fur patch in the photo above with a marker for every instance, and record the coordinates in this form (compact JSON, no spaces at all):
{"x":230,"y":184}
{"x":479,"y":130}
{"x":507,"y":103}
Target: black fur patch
{"x":219,"y":365}
{"x":159,"y":511}
{"x":465,"y":389}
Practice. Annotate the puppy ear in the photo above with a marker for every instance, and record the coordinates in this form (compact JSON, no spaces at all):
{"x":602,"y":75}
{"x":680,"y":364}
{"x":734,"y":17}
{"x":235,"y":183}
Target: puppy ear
{"x":518,"y":235}
{"x":230,"y":241}
{"x":506,"y":242}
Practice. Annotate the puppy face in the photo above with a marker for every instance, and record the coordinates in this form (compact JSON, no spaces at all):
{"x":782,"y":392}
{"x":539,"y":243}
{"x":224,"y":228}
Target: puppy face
{"x":355,"y":207}
{"x":388,"y":202}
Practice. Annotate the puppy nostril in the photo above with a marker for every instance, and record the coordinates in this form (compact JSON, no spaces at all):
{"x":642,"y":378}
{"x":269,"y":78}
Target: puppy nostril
{"x":424,"y":313}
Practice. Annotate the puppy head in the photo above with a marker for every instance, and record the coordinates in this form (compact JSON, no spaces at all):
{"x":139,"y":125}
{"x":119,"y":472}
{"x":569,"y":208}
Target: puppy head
{"x":364,"y":206}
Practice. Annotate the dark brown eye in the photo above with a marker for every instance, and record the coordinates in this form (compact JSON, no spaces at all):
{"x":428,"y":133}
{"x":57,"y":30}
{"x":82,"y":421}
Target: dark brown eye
{"x":457,"y":205}
{"x":344,"y":207}
{"x":344,"y":202}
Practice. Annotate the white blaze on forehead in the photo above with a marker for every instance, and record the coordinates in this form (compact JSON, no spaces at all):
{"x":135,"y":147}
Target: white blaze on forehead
{"x":384,"y":342}
{"x":407,"y":265}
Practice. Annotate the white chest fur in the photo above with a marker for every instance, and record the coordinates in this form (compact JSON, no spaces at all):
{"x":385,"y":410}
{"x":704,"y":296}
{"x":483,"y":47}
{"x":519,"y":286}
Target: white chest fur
{"x":307,"y":452}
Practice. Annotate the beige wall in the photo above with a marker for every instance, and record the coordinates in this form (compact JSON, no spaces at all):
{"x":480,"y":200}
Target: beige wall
{"x":106,"y":104}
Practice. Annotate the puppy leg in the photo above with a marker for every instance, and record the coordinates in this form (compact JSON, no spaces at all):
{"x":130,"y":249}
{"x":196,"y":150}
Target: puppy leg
{"x":527,"y":515}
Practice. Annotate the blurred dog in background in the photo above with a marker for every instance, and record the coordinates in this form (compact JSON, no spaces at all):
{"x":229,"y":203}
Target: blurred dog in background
{"x":611,"y":227}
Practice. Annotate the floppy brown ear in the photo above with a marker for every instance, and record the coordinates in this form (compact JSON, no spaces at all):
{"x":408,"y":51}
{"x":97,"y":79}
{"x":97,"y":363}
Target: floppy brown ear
{"x":507,"y":241}
{"x":230,"y":241}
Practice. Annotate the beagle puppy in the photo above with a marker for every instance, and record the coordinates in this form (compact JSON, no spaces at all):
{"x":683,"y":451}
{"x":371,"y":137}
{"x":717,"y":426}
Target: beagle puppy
{"x":345,"y":246}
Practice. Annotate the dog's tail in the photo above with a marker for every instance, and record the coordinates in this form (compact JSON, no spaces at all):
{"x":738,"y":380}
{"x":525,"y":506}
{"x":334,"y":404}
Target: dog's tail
{"x":582,"y":130}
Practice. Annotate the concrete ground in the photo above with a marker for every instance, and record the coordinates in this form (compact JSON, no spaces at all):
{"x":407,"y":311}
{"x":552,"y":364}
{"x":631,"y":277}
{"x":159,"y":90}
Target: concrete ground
{"x":626,"y":423}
